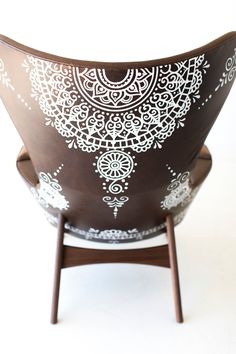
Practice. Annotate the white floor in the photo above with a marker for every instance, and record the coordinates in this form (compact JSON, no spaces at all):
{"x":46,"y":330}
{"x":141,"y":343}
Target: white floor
{"x":121,"y":308}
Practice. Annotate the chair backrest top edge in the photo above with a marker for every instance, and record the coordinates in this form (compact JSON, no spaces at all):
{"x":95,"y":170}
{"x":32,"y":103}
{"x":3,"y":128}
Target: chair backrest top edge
{"x":117,"y":65}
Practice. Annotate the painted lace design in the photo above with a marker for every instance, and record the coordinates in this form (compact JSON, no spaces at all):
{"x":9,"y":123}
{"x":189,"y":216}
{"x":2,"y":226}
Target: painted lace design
{"x":130,"y":90}
{"x":6,"y":81}
{"x":137,"y":110}
{"x":115,"y":202}
{"x":4,"y":78}
{"x":180,"y":192}
{"x":49,"y":192}
{"x":114,"y":235}
{"x":227,"y":76}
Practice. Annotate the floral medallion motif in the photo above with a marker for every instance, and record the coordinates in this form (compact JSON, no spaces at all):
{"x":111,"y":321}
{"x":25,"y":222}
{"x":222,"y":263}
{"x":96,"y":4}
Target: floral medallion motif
{"x":115,"y":165}
{"x":112,"y":110}
{"x":6,"y":81}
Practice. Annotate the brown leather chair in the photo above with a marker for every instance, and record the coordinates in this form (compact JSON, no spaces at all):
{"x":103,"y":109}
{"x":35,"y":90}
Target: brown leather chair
{"x":114,"y":152}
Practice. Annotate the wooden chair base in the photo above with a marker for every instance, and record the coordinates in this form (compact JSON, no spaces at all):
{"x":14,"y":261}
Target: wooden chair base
{"x":162,"y":256}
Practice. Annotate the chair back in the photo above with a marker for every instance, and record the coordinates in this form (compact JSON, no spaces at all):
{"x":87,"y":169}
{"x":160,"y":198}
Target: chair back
{"x":115,"y":146}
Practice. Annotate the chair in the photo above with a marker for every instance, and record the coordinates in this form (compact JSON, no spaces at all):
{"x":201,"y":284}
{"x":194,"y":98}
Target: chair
{"x":114,"y":152}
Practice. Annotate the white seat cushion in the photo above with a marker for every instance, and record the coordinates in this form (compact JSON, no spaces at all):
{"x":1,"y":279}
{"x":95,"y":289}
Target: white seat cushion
{"x":74,"y":241}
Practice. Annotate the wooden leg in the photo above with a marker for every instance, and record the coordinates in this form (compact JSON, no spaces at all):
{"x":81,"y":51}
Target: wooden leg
{"x":58,"y":266}
{"x":71,"y":258}
{"x":174,"y":267}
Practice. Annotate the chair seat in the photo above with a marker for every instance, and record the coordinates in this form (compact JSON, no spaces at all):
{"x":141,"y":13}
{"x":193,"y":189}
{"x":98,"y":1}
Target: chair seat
{"x":73,"y":241}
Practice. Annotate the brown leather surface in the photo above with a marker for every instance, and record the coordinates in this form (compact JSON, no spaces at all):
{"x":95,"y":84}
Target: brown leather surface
{"x":115,"y":147}
{"x":26,"y":168}
{"x":202,"y":167}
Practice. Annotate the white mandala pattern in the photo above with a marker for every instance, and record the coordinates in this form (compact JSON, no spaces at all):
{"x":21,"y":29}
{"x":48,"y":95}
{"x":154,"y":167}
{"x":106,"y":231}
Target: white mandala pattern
{"x":159,"y":107}
{"x":115,"y":166}
{"x":49,"y":192}
{"x":139,"y":109}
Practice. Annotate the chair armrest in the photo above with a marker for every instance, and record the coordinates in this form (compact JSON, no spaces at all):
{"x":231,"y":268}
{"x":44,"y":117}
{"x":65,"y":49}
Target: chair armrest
{"x":26,"y":168}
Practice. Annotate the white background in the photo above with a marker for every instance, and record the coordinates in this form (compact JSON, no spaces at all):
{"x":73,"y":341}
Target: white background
{"x":120,"y":308}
